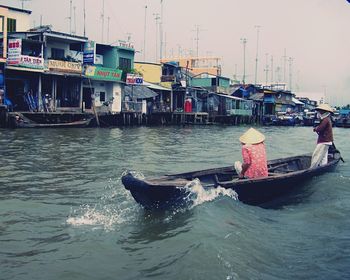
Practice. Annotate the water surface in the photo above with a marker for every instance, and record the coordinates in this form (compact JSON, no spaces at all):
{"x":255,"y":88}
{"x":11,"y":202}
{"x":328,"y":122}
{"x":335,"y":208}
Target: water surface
{"x":64,"y":213}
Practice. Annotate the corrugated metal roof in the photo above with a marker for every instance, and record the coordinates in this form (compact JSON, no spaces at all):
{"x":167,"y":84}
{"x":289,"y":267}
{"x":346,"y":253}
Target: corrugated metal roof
{"x":298,"y":102}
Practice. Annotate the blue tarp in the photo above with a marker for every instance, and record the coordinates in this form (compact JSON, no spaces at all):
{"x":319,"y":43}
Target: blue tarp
{"x":269,"y":99}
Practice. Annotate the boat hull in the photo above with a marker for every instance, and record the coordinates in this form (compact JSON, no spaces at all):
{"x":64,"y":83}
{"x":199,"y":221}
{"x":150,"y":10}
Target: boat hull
{"x":173,"y":190}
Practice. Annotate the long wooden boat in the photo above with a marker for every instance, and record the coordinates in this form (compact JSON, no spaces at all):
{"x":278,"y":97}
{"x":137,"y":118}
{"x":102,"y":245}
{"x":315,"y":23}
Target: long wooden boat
{"x":20,"y":120}
{"x":285,"y":174}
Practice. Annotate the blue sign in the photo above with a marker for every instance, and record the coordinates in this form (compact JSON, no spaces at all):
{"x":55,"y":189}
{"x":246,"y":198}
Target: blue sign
{"x":89,"y":53}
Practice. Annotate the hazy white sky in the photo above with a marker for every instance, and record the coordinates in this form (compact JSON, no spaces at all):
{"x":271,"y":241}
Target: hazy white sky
{"x":315,"y":33}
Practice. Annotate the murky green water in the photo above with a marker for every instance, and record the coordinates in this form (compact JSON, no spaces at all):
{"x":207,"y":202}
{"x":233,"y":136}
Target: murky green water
{"x":64,"y":213}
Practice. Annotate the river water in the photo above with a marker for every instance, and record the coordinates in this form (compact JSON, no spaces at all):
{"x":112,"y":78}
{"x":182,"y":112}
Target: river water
{"x":64,"y":213}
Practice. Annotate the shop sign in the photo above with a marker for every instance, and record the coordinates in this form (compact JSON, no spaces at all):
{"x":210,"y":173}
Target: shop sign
{"x":64,"y":66}
{"x":14,"y":51}
{"x":31,"y":62}
{"x":103,"y":73}
{"x":126,"y":45}
{"x":132,"y":79}
{"x":89,"y":52}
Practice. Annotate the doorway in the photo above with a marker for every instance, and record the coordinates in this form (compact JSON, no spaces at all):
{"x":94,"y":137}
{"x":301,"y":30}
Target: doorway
{"x":87,"y":97}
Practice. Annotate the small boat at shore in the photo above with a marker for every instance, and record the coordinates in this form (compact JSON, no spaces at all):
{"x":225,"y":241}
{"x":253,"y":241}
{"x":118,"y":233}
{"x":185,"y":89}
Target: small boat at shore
{"x":20,"y":120}
{"x":285,"y":174}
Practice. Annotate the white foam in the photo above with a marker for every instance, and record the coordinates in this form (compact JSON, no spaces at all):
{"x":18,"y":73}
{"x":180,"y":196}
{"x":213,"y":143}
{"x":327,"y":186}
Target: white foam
{"x":90,"y":216}
{"x":112,"y":209}
{"x":200,"y":195}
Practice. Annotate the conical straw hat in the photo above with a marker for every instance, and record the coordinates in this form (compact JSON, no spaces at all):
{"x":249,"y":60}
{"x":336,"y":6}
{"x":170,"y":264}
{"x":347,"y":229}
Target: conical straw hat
{"x":252,"y":136}
{"x":324,"y":107}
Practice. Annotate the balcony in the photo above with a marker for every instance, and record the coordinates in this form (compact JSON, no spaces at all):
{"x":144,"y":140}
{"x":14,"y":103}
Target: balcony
{"x":167,"y":78}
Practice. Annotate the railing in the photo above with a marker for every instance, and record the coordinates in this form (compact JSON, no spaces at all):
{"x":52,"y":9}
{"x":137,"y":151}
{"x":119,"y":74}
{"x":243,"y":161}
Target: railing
{"x":167,"y":78}
{"x":131,"y":106}
{"x":159,"y":107}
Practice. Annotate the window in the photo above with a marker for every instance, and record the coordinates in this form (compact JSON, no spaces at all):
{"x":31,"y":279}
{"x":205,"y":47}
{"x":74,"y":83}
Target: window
{"x":1,"y":24}
{"x":57,"y":53}
{"x":102,"y":96}
{"x":11,"y":25}
{"x":124,"y":63}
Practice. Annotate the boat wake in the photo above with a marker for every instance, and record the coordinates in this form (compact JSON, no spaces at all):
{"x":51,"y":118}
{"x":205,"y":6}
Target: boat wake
{"x":198,"y":194}
{"x":112,"y":209}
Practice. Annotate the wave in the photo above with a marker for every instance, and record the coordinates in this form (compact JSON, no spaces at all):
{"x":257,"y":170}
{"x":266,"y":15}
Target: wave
{"x":112,"y":209}
{"x":199,"y":195}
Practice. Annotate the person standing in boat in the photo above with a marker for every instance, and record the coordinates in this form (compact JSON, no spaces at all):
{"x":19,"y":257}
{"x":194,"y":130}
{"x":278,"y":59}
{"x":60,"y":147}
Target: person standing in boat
{"x":254,"y":155}
{"x":325,"y":136}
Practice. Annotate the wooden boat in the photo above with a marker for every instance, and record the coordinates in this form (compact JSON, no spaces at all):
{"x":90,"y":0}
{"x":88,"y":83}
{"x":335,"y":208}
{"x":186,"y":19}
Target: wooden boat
{"x":285,"y":174}
{"x":19,"y":120}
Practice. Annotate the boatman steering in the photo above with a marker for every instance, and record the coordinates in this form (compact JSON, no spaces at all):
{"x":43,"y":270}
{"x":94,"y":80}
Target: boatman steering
{"x":325,"y":136}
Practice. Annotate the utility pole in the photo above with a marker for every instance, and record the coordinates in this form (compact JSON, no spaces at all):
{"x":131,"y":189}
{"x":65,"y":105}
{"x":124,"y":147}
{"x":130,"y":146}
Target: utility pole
{"x":156,"y":18}
{"x":161,"y":30}
{"x":290,"y":60}
{"x":266,"y":68}
{"x":284,"y":65}
{"x":103,"y":19}
{"x":144,"y":35}
{"x":165,"y":43}
{"x":244,"y":42}
{"x":108,"y":30}
{"x":271,"y":68}
{"x":257,"y":50}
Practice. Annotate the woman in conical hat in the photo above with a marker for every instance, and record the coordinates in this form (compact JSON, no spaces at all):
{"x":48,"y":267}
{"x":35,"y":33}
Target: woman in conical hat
{"x":254,"y":155}
{"x":325,"y":136}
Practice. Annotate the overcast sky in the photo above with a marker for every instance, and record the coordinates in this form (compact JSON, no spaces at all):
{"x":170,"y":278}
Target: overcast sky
{"x":314,"y":33}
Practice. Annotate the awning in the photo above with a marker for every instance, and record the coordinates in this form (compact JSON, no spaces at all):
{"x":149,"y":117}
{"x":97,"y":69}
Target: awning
{"x":66,"y":74}
{"x":154,"y":86}
{"x":17,"y":68}
{"x":229,"y":96}
{"x":139,"y":92}
{"x":297,"y":102}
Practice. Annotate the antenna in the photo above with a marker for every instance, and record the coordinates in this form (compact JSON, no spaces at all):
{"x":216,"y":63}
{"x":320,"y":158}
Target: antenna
{"x":84,"y":18}
{"x":23,"y":3}
{"x":197,"y":30}
{"x":244,"y":42}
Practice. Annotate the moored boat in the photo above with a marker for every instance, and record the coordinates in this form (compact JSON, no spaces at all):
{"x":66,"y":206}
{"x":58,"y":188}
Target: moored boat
{"x":285,"y":174}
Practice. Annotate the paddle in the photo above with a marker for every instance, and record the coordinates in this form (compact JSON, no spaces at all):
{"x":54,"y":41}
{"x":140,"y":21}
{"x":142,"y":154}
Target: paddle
{"x":336,"y":150}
